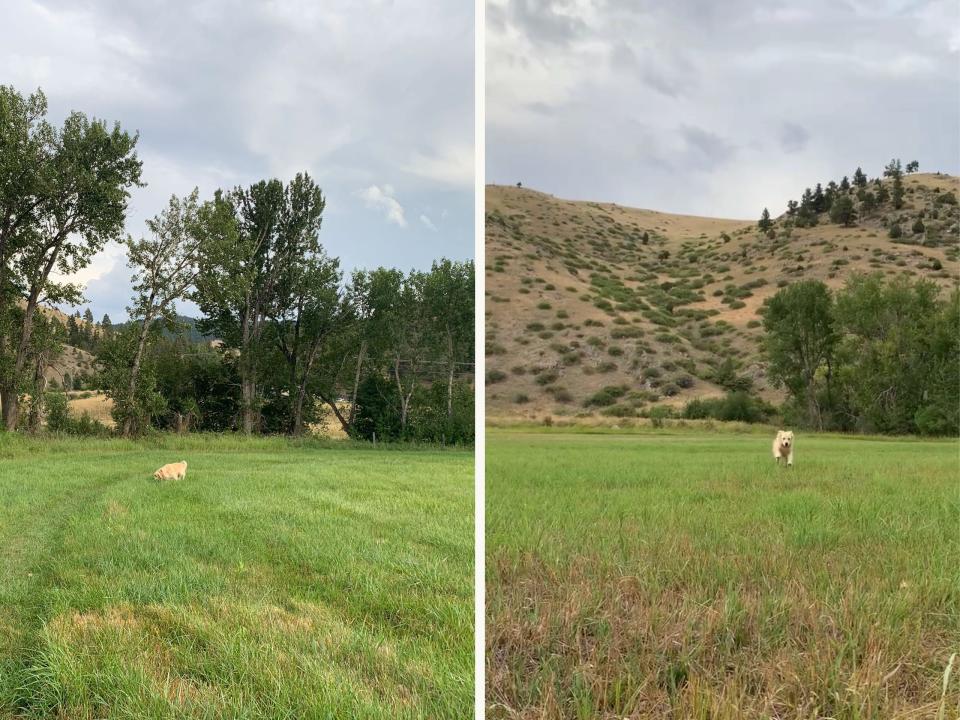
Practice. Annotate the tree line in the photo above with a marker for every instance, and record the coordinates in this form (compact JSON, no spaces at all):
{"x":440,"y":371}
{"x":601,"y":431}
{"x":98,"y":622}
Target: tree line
{"x":847,"y":201}
{"x":386,"y":352}
{"x":880,"y":356}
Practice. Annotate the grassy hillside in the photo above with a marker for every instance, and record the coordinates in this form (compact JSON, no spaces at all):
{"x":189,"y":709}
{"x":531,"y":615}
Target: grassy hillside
{"x":684,"y":575}
{"x":595,"y":307}
{"x":278,"y":580}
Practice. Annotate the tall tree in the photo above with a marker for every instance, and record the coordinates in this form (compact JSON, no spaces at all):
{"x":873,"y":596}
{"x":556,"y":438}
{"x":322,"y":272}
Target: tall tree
{"x":765,"y":223}
{"x":310,"y":310}
{"x":894,"y":171}
{"x":449,"y":296}
{"x":859,"y":178}
{"x":800,"y":341}
{"x":248,"y":237}
{"x":165,"y":268}
{"x":898,"y":344}
{"x":83,"y":173}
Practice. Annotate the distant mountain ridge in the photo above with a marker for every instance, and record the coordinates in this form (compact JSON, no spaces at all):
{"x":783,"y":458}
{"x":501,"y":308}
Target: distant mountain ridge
{"x":189,"y":329}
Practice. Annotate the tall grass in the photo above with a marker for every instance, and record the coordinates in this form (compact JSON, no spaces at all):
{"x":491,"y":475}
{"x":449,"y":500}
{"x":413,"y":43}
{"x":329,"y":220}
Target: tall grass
{"x":279,"y":580}
{"x":687,"y":576}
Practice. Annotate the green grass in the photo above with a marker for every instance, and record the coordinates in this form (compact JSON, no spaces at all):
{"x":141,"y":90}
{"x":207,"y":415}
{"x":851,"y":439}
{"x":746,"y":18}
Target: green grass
{"x":684,"y":575}
{"x":279,"y":580}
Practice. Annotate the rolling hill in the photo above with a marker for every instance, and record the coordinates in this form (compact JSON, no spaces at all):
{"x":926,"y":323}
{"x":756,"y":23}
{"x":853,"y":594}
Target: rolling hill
{"x":595,"y":307}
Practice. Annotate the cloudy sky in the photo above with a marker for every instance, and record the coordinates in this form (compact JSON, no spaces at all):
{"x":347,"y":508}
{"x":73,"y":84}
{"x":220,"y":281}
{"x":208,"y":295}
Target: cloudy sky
{"x":374,"y":98}
{"x":716,"y":108}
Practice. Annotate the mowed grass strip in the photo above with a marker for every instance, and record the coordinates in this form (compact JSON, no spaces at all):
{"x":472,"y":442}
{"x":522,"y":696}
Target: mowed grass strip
{"x":686,"y":576}
{"x":279,"y":580}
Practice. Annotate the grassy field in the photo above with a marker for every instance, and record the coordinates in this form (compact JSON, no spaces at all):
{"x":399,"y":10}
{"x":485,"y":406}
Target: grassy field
{"x":684,"y":575}
{"x":279,"y":580}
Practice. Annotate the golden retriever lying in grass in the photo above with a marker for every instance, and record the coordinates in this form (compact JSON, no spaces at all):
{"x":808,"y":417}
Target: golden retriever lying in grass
{"x":173,"y":471}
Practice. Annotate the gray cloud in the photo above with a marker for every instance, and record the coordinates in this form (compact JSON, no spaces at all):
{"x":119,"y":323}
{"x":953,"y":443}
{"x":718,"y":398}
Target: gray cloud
{"x":358,"y":93}
{"x":546,"y":21}
{"x":793,"y":137}
{"x":717,"y":108}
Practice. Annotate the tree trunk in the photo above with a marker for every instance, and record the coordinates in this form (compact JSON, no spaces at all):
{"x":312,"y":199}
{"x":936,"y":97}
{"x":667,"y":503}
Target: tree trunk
{"x":813,"y":410}
{"x":356,"y":382}
{"x":11,"y":402}
{"x":403,"y":399}
{"x":135,"y":371}
{"x":336,"y":411}
{"x":450,"y":379}
{"x":10,"y":414}
{"x":37,"y":400}
{"x":248,"y":387}
{"x":248,"y":394}
{"x":302,"y":390}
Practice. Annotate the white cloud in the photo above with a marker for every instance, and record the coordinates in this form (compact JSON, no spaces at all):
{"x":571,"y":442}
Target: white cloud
{"x":382,"y":199}
{"x":428,"y":223}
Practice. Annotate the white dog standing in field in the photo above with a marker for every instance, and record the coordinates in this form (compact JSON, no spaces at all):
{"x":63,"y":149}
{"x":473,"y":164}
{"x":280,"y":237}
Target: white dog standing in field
{"x":173,"y":471}
{"x":783,"y":446}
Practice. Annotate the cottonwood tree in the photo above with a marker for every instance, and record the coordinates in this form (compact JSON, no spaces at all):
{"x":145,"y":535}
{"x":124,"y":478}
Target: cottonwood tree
{"x":165,"y":268}
{"x":449,"y":295}
{"x":311,"y":309}
{"x":75,"y":183}
{"x":247,"y":238}
{"x":901,"y":350}
{"x":371,"y":295}
{"x":404,"y":320}
{"x":800,"y":341}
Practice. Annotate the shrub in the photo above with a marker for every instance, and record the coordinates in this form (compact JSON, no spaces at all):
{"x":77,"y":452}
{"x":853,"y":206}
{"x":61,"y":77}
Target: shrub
{"x":607,"y":396}
{"x":59,"y":420}
{"x":520,"y":398}
{"x":735,"y":406}
{"x":495,"y":376}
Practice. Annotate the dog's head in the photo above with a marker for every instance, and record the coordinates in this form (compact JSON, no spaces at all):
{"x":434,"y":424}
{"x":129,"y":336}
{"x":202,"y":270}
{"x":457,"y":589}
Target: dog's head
{"x":786,"y":438}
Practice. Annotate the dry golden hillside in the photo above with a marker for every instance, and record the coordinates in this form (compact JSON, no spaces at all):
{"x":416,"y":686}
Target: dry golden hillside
{"x":592,"y":302}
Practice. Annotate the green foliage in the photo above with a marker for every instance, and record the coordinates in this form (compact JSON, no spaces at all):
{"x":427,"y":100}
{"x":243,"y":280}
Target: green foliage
{"x":64,"y":196}
{"x":606,"y":396}
{"x":883,"y":356}
{"x":801,"y":339}
{"x":60,"y":421}
{"x":842,"y":212}
{"x":900,"y":355}
{"x":735,"y":406}
{"x":116,"y":359}
{"x":765,"y":223}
